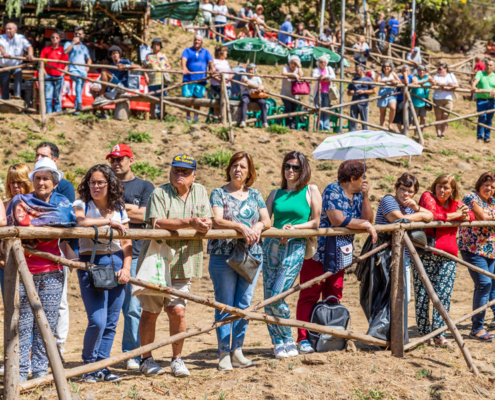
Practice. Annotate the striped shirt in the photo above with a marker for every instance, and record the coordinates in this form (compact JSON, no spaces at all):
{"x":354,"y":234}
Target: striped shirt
{"x":165,"y":202}
{"x":386,"y":206}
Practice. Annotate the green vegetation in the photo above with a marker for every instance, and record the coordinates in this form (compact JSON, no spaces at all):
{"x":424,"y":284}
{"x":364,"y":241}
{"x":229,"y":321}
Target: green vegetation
{"x":145,"y":169}
{"x":27,"y":156}
{"x":278,"y":129}
{"x":133,"y":393}
{"x":426,"y":168}
{"x":389,"y":178}
{"x":447,"y":153}
{"x":222,"y":133}
{"x":423,"y":373}
{"x":139,"y":137}
{"x":373,"y":394}
{"x":80,"y":171}
{"x":219,"y":159}
{"x":169,"y":118}
{"x":325,"y":167}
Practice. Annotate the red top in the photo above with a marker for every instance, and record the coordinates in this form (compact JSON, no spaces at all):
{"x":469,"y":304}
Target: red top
{"x":445,"y":237}
{"x":50,"y":53}
{"x":480,"y":66}
{"x":38,"y":264}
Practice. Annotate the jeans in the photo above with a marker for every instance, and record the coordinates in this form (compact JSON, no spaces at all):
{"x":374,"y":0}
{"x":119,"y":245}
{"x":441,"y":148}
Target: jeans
{"x":246,"y":99}
{"x":381,"y":36}
{"x":324,"y":118}
{"x":5,"y":83}
{"x":290,"y":107}
{"x":332,"y":286}
{"x":32,"y":351}
{"x":231,"y":289}
{"x":102,"y":309}
{"x":221,"y":31}
{"x":392,"y":37}
{"x":283,"y":262}
{"x":79,"y":91}
{"x":484,"y":287}
{"x":132,"y":314}
{"x":53,"y":93}
{"x":154,"y":88}
{"x":484,"y":105}
{"x":361,"y":111}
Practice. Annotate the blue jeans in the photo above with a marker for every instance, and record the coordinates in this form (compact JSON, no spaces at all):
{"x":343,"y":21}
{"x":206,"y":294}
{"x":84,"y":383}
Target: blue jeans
{"x":324,"y":118}
{"x":392,"y":37}
{"x":102,"y":309}
{"x":221,"y":31}
{"x":132,"y":314}
{"x":49,"y":287}
{"x":154,"y":88}
{"x":231,"y":289}
{"x":484,"y":105}
{"x":381,"y":36}
{"x":484,"y":287}
{"x":79,"y":90}
{"x":53,"y":93}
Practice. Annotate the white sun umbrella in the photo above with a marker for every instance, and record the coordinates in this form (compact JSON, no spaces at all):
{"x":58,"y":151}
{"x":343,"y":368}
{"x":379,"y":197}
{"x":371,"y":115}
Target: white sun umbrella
{"x":366,"y":144}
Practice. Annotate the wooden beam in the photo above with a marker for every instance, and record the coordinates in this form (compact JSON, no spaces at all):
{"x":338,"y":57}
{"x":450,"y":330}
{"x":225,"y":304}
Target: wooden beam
{"x":397,"y":295}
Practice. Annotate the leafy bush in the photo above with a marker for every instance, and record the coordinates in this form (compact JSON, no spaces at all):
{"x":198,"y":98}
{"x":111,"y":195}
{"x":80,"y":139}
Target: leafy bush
{"x":219,"y":159}
{"x":27,"y":156}
{"x":145,"y":169}
{"x":139,"y":137}
{"x":325,"y":167}
{"x":278,"y":129}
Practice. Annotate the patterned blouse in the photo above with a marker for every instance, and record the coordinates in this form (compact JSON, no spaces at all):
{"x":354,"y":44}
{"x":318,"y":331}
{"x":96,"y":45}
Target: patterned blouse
{"x":243,"y":211}
{"x":157,"y":63}
{"x":334,"y":198}
{"x":478,"y":240}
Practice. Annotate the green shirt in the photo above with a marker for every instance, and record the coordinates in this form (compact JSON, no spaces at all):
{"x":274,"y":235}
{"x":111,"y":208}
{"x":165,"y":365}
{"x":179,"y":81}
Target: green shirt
{"x":165,"y":202}
{"x":422,"y":92}
{"x":486,"y":82}
{"x":290,"y":208}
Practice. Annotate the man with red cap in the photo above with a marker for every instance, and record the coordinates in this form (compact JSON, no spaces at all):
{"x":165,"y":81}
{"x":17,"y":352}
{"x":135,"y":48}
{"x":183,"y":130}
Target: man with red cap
{"x":136,"y":194}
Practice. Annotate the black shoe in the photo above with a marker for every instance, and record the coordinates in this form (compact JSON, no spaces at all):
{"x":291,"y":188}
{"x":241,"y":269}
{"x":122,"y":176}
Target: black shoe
{"x":104,"y":375}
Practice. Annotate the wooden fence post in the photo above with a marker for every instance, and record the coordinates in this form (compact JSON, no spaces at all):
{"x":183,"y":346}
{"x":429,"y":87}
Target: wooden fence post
{"x":161,"y":102}
{"x":42,"y":97}
{"x":223,"y":104}
{"x":405,"y":111}
{"x":397,"y":295}
{"x":11,"y":326}
{"x":43,"y":325}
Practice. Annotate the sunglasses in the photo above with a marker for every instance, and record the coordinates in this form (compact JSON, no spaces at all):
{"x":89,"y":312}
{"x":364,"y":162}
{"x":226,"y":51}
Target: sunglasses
{"x":439,"y":68}
{"x":295,"y":168}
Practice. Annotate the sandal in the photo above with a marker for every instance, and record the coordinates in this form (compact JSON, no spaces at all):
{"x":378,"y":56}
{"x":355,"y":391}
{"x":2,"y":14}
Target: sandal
{"x":444,"y":343}
{"x":486,"y":337}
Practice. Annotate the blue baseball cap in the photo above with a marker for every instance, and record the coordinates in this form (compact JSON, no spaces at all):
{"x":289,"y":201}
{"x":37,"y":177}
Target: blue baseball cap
{"x":184,"y":161}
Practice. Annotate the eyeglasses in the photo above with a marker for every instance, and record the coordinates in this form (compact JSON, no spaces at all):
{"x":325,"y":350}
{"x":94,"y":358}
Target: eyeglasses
{"x":295,"y":168}
{"x":98,"y":183}
{"x":439,"y":68}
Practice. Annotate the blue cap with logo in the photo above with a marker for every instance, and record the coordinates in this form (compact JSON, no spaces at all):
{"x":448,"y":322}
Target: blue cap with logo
{"x":184,"y":161}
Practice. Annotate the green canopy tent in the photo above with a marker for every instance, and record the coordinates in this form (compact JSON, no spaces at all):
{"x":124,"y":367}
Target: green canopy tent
{"x":258,"y":51}
{"x":309,"y":55}
{"x":181,"y":10}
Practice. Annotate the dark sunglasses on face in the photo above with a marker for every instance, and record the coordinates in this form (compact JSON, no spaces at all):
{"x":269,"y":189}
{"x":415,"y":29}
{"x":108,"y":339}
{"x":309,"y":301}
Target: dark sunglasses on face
{"x":440,"y":68}
{"x":295,"y":168}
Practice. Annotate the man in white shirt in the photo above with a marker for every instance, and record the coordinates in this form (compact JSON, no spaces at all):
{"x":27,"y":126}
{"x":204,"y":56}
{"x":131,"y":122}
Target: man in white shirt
{"x":12,"y":45}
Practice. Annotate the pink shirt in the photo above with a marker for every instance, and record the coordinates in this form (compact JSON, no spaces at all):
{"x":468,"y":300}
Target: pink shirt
{"x":37,"y":264}
{"x":221,"y":66}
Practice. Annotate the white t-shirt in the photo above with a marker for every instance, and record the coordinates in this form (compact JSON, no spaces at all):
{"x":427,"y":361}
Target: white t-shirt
{"x":221,"y":66}
{"x":207,"y":9}
{"x":255,"y":80}
{"x":444,"y":80}
{"x":361,"y":56}
{"x":286,"y":89}
{"x":221,"y":19}
{"x":86,"y":245}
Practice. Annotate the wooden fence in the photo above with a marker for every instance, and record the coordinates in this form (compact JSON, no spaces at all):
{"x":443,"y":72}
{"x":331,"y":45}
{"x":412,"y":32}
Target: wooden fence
{"x":16,"y":267}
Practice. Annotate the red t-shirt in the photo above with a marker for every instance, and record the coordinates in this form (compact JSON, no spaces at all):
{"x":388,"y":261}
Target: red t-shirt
{"x":445,"y":237}
{"x":38,"y":264}
{"x":50,"y":53}
{"x":480,"y":66}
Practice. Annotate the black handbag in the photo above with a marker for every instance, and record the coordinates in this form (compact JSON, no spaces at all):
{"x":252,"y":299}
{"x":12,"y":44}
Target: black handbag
{"x":420,"y":239}
{"x":101,"y":277}
{"x":243,"y":262}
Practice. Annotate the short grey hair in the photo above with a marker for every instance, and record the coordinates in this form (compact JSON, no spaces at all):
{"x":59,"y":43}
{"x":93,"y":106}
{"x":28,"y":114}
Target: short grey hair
{"x":13,"y":23}
{"x":252,"y":65}
{"x":55,"y":179}
{"x":288,"y":17}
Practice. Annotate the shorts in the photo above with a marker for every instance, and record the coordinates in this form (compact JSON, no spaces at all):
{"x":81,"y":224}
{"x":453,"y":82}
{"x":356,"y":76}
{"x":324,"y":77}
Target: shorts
{"x":420,"y":111}
{"x":244,"y":29}
{"x":193,"y":90}
{"x":382,"y":103}
{"x":448,"y":104}
{"x":155,"y":304}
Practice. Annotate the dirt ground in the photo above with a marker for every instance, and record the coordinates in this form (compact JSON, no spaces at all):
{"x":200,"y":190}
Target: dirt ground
{"x":367,"y":373}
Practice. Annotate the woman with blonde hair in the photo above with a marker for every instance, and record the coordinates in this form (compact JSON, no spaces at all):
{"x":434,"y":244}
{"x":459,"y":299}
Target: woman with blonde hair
{"x":443,"y":200}
{"x":17,"y":182}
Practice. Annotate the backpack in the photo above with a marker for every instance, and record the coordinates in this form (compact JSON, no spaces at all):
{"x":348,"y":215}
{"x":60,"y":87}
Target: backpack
{"x":331,"y":314}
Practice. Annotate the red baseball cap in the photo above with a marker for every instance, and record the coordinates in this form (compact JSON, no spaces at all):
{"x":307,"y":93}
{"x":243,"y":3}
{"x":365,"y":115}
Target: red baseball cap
{"x":120,"y":150}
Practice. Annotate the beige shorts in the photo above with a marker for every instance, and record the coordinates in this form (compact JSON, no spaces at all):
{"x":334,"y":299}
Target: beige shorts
{"x":244,"y":29}
{"x":155,"y":304}
{"x":420,"y":111}
{"x":448,"y":104}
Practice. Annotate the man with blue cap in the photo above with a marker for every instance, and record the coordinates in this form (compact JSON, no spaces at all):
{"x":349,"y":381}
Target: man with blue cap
{"x":180,"y":204}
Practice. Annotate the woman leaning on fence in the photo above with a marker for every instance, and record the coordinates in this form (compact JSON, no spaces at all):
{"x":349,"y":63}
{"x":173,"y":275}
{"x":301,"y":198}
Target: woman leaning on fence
{"x":100,"y":204}
{"x":325,"y":75}
{"x":443,"y":201}
{"x":235,"y":206}
{"x":296,"y":205}
{"x":344,"y":204}
{"x":42,"y":207}
{"x":476,"y":245}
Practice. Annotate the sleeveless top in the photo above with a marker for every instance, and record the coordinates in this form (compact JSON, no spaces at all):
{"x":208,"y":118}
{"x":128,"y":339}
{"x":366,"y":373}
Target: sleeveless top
{"x":386,"y":79}
{"x":290,"y":208}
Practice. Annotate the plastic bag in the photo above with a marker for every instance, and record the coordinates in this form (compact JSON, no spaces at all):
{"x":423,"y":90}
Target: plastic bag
{"x":155,"y":269}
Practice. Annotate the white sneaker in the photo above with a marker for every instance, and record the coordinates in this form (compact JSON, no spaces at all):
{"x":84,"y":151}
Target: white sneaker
{"x":132,"y":364}
{"x":239,"y":361}
{"x":150,"y":368}
{"x":242,"y":124}
{"x":179,"y":369}
{"x":265,"y":125}
{"x":280,"y":351}
{"x":291,"y":349}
